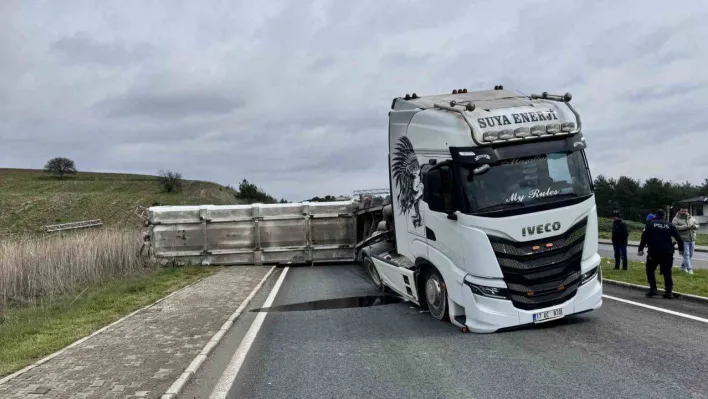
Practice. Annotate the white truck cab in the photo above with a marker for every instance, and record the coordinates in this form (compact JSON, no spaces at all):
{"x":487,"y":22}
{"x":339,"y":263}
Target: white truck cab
{"x":492,"y":222}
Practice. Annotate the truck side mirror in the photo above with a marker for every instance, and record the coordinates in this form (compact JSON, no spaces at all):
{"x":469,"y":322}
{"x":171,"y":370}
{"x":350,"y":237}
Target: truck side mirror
{"x":437,"y":189}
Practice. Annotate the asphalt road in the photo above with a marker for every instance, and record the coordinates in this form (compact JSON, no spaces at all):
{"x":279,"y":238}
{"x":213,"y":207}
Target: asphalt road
{"x":699,"y":260}
{"x":393,"y":350}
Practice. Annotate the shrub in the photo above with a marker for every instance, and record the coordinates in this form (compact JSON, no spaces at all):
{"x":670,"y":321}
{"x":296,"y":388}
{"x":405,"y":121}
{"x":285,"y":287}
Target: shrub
{"x":605,"y":224}
{"x":171,"y":182}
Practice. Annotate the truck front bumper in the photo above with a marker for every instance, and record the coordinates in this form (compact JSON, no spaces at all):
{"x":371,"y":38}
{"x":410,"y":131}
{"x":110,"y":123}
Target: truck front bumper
{"x":487,"y":315}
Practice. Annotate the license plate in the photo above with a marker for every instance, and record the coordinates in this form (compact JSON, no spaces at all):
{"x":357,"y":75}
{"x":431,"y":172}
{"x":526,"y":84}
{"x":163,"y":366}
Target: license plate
{"x":548,"y":315}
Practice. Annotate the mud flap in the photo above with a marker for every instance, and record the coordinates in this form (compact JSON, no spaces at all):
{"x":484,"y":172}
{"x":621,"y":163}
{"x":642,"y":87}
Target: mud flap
{"x":397,"y":278}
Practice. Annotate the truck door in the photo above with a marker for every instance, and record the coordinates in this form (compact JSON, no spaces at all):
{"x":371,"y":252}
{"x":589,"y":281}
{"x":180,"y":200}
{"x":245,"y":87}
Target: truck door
{"x":442,"y":230}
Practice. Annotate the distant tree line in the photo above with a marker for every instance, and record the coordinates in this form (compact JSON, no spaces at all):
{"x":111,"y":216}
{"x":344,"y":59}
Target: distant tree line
{"x":635,"y":199}
{"x":327,"y":198}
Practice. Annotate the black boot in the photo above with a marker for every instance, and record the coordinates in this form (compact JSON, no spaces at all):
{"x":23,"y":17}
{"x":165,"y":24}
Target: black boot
{"x":669,"y":295}
{"x":652,"y":294}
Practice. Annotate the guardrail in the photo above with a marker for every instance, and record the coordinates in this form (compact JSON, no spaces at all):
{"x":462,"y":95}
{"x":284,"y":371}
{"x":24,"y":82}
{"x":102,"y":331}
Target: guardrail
{"x":73,"y":225}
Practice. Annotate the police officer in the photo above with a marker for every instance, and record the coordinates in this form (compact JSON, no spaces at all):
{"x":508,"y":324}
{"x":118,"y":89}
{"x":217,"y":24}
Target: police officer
{"x":657,"y":236}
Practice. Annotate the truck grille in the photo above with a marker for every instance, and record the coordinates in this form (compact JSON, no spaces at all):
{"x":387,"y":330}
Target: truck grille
{"x":542,"y":273}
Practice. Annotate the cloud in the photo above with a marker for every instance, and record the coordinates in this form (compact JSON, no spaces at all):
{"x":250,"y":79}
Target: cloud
{"x":81,"y":47}
{"x":294,"y":96}
{"x":171,"y":105}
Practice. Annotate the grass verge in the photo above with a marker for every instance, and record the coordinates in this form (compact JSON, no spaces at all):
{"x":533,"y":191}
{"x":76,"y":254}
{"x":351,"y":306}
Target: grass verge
{"x":32,"y":332}
{"x":696,"y":284}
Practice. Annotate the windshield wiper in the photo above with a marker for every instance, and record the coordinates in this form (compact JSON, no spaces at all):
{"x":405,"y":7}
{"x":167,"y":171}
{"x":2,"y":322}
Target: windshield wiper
{"x":501,"y":206}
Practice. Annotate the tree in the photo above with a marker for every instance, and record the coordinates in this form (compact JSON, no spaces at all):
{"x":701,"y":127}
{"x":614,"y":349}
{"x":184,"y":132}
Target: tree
{"x":605,"y":195}
{"x":171,"y":182}
{"x":250,"y":193}
{"x":60,"y":166}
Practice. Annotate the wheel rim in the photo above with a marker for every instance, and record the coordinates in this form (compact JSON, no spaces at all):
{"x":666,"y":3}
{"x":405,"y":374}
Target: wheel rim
{"x":372,"y":272}
{"x":435,"y":296}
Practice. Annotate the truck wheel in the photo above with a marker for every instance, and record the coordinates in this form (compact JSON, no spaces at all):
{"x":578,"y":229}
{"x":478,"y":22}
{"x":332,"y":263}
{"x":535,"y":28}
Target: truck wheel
{"x":373,"y":273}
{"x":436,"y":295}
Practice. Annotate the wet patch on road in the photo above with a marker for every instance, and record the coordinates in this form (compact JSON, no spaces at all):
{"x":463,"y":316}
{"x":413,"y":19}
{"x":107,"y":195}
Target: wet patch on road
{"x":336,"y":303}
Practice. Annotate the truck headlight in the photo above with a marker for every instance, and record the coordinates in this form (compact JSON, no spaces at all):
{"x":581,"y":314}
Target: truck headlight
{"x":489,"y":292}
{"x":588,"y":275}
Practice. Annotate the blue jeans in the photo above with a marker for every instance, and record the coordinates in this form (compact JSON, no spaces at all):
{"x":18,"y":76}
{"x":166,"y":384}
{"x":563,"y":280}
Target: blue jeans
{"x":620,"y":253}
{"x":688,"y":247}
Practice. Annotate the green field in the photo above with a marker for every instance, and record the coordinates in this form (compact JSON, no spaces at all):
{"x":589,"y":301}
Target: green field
{"x":696,"y":284}
{"x":635,"y":231}
{"x":30,"y":199}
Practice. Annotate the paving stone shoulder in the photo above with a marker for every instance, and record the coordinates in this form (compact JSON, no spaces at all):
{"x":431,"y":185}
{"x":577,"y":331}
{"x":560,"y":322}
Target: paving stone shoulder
{"x":141,"y":356}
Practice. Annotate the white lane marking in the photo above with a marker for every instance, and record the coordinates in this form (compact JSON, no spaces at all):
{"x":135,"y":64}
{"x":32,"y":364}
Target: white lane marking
{"x":671,"y":312}
{"x":227,"y":378}
{"x":176,"y":388}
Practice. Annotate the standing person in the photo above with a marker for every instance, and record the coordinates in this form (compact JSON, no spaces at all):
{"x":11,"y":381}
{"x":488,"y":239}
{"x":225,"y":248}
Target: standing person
{"x":620,"y":237}
{"x":650,"y":217}
{"x":657,"y":236}
{"x":686,"y":226}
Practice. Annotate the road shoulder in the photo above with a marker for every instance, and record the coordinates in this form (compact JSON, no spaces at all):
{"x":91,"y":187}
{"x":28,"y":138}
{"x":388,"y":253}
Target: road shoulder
{"x":144,"y":354}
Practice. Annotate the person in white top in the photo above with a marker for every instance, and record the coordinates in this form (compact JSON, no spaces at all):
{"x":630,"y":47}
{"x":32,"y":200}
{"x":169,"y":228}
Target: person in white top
{"x":687,"y":227}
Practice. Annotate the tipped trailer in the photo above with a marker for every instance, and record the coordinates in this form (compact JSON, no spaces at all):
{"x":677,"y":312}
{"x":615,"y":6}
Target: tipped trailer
{"x":491,"y":221}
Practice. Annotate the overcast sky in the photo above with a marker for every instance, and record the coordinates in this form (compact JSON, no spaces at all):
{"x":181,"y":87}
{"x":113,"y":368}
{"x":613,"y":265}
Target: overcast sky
{"x":293,"y":95}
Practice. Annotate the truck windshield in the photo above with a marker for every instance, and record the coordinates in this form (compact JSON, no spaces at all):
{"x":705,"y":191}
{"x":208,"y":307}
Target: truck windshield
{"x":525,"y":181}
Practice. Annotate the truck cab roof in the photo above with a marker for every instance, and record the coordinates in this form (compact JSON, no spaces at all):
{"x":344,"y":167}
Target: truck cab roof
{"x":492,"y":98}
{"x":480,"y":118}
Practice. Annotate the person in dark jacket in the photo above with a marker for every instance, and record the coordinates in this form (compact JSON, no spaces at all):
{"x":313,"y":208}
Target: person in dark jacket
{"x":657,"y":237}
{"x":620,"y":236}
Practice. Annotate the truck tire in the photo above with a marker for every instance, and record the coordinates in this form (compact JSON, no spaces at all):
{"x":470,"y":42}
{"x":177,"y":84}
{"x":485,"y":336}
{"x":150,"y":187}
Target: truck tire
{"x":373,"y":273}
{"x":436,"y":295}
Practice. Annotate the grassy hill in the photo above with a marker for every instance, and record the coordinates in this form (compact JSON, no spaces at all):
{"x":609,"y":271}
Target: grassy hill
{"x":30,"y":199}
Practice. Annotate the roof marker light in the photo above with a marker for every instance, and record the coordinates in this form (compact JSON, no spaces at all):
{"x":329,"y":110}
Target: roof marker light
{"x":454,"y":91}
{"x":568,"y":126}
{"x":537,"y":130}
{"x":522,"y":132}
{"x":506,"y":134}
{"x":469,"y":107}
{"x":490,"y":136}
{"x":553,"y":128}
